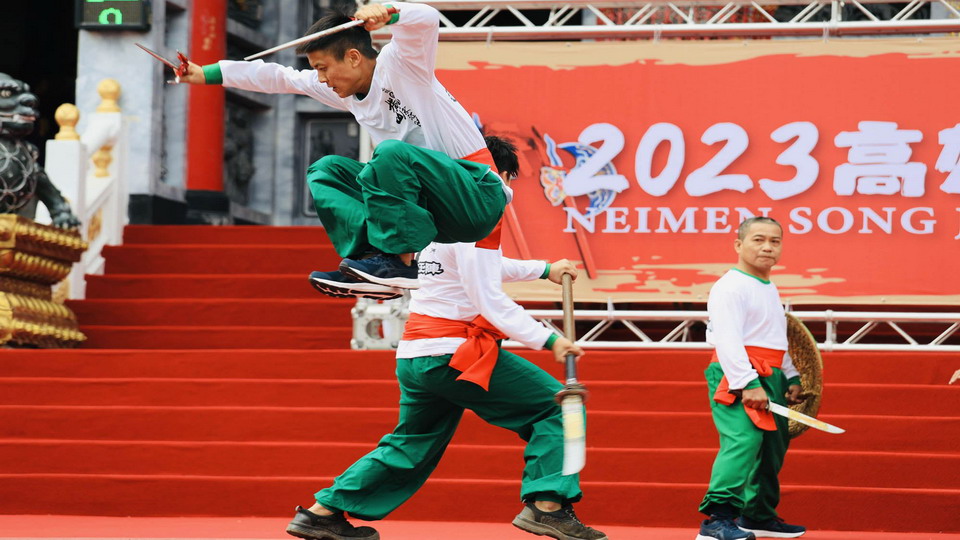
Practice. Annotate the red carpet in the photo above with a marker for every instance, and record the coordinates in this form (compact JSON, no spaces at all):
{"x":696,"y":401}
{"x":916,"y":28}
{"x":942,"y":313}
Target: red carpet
{"x":216,"y":382}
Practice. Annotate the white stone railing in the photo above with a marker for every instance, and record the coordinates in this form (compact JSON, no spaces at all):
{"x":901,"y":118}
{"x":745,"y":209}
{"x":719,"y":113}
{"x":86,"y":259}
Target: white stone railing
{"x":85,"y":168}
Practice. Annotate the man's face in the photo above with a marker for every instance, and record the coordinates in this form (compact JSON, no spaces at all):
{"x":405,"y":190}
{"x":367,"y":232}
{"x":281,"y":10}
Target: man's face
{"x":760,"y":248}
{"x":345,"y":77}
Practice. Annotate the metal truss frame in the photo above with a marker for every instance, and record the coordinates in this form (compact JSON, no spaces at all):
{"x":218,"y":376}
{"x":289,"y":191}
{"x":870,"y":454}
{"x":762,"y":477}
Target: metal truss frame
{"x":679,"y":337}
{"x":586,"y":19}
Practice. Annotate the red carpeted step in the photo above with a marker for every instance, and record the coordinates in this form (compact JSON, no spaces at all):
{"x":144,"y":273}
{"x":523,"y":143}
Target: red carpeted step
{"x":606,"y":429}
{"x":615,"y":503}
{"x":313,"y":392}
{"x":319,"y":311}
{"x":173,"y":363}
{"x":845,"y":367}
{"x":202,"y":392}
{"x":215,"y":337}
{"x":663,"y":465}
{"x":219,"y":259}
{"x":205,"y":234}
{"x":127,"y":286}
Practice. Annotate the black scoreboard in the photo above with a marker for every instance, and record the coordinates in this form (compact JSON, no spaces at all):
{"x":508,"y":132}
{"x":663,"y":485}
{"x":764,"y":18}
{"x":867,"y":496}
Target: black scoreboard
{"x":113,"y":14}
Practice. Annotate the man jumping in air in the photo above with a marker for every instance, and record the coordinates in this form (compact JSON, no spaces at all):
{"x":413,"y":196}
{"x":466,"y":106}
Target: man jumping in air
{"x":430,"y":176}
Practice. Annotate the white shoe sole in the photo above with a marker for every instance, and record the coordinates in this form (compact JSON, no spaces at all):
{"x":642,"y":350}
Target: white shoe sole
{"x":397,"y":282}
{"x":771,"y":534}
{"x":338,"y":289}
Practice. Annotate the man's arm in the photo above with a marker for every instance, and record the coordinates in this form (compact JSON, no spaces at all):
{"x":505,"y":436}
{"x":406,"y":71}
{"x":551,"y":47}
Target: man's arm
{"x":726,"y":326}
{"x":263,"y":77}
{"x":416,"y":29}
{"x":528,"y":270}
{"x":480,"y":273}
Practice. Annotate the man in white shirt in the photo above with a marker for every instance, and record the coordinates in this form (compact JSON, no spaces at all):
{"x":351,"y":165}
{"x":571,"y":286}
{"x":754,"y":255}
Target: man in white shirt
{"x":449,"y":360}
{"x":430,"y":176}
{"x":750,"y":366}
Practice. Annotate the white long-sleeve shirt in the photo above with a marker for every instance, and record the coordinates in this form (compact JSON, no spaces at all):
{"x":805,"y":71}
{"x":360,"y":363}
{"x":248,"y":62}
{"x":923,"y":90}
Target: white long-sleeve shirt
{"x":745,"y":310}
{"x":461,"y":281}
{"x":406,"y":102}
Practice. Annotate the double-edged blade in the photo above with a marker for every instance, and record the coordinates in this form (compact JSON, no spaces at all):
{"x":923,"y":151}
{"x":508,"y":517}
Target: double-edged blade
{"x":178,"y":70}
{"x":802,"y":418}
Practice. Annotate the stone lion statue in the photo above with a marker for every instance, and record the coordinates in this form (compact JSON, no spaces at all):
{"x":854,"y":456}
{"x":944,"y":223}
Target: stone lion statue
{"x":22,"y":181}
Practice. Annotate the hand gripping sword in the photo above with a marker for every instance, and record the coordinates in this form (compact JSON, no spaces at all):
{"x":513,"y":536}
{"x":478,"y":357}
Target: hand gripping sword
{"x":573,"y":395}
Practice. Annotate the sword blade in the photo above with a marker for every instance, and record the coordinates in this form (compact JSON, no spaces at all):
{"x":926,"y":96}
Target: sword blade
{"x":803,"y":419}
{"x":305,"y":39}
{"x":574,"y":435}
{"x":169,"y":63}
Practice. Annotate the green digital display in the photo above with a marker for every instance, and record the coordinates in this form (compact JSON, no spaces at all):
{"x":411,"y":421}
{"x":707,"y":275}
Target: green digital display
{"x":113,"y":14}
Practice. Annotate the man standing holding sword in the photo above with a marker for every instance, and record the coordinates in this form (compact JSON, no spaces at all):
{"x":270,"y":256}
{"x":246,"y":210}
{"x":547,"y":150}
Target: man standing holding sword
{"x":449,"y":360}
{"x":750,"y":369}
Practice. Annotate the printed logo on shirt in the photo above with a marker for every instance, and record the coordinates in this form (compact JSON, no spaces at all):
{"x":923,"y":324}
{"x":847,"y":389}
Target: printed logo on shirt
{"x":399,"y":109}
{"x":430,"y":268}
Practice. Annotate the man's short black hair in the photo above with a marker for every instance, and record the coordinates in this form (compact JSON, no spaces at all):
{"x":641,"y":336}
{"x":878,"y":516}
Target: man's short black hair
{"x":745,"y":226}
{"x":338,"y":44}
{"x":504,"y":154}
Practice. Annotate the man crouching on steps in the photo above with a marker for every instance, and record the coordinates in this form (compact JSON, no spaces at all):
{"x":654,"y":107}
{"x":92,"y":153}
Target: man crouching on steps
{"x":449,"y":360}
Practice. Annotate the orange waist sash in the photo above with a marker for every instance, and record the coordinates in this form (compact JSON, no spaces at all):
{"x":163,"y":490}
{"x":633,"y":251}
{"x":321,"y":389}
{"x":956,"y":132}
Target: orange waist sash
{"x":763,"y":360}
{"x":482,"y":156}
{"x":475,"y":358}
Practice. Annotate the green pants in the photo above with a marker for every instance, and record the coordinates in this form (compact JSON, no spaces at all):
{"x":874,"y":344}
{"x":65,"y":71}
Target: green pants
{"x":745,"y":472}
{"x":432,"y":401}
{"x":403,"y":199}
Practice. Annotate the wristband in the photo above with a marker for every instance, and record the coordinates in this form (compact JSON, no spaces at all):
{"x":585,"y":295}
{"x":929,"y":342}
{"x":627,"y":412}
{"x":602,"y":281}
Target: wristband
{"x":550,"y":341}
{"x":546,"y":272}
{"x":212,"y":74}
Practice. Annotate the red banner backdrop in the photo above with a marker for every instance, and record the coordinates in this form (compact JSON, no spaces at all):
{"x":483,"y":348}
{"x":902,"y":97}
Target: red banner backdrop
{"x":640,"y":159}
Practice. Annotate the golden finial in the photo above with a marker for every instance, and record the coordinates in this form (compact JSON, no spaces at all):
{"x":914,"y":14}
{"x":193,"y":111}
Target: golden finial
{"x":67,"y":116}
{"x":109,"y":90}
{"x":101,"y":161}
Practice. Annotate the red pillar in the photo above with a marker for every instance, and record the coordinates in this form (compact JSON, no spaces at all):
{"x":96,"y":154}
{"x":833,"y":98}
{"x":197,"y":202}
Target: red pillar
{"x":205,"y":105}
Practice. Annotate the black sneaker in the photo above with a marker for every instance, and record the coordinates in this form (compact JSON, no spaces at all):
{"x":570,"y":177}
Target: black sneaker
{"x":340,"y":286}
{"x":562,"y":524}
{"x":308,"y":525}
{"x":382,"y":269}
{"x":772,"y":528}
{"x":722,"y":528}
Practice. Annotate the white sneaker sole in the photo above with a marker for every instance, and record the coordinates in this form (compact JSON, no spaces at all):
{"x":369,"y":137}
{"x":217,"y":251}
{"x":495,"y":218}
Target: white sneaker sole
{"x":771,"y":534}
{"x":397,"y":282}
{"x":339,"y":289}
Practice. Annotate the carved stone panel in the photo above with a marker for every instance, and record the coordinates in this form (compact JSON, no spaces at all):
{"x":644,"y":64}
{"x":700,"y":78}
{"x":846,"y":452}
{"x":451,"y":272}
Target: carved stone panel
{"x":238,"y":150}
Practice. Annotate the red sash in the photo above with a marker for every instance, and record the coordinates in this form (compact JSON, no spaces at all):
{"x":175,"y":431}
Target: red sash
{"x":763,"y":360}
{"x":475,"y":358}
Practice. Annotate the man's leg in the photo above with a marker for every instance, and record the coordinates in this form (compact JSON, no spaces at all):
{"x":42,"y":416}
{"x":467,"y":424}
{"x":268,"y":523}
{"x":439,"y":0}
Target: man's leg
{"x":382,"y":480}
{"x":339,"y":202}
{"x":521,"y":398}
{"x":740,"y":442}
{"x":336,"y":196}
{"x":414,"y":195}
{"x":763,"y":491}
